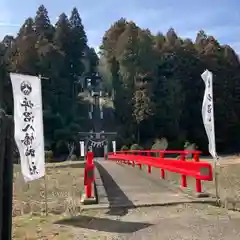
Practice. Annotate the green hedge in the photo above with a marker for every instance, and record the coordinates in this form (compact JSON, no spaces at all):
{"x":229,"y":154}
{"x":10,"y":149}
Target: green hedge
{"x":124,"y":148}
{"x":136,"y":147}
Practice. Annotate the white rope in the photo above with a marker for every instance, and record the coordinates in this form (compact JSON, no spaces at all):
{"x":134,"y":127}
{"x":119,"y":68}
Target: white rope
{"x":97,"y":143}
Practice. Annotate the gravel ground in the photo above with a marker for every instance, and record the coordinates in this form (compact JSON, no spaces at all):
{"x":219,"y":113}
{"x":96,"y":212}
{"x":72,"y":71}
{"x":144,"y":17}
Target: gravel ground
{"x":181,"y":222}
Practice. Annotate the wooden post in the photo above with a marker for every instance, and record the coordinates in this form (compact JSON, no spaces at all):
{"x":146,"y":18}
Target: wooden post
{"x":2,"y":155}
{"x":8,"y":180}
{"x":2,"y":146}
{"x":6,"y":175}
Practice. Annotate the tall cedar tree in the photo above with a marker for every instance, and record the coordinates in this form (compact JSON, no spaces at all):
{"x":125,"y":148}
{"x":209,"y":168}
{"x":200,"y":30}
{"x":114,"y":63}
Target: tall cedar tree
{"x":175,"y":88}
{"x":41,"y":48}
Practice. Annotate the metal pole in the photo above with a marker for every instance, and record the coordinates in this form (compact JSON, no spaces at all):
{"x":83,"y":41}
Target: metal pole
{"x":216,"y":174}
{"x":45,"y":195}
{"x":45,"y":179}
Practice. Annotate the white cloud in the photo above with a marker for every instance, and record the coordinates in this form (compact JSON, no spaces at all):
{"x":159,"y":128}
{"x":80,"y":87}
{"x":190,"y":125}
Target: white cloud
{"x":8,"y":24}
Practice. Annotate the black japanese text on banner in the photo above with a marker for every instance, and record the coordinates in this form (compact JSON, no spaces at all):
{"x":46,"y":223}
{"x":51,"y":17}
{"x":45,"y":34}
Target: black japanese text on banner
{"x":28,"y":120}
{"x":208,"y":112}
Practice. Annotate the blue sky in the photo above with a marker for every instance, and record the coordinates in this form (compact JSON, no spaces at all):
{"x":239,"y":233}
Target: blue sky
{"x":220,"y":18}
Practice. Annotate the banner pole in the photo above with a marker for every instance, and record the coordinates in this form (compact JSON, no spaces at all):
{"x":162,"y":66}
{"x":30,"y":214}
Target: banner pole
{"x":45,"y":180}
{"x":45,"y":195}
{"x":216,"y":179}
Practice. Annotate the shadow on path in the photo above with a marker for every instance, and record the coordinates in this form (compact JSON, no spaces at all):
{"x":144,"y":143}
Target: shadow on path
{"x":115,"y":195}
{"x":103,"y":224}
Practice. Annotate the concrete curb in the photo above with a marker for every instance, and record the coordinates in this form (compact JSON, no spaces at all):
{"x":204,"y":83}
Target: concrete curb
{"x":130,"y":206}
{"x":190,"y":192}
{"x":86,"y":201}
{"x":100,"y":189}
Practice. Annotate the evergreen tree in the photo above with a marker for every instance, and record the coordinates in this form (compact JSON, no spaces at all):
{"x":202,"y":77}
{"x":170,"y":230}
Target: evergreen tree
{"x":43,"y":27}
{"x":92,"y":56}
{"x":62,"y":33}
{"x":24,"y":57}
{"x":78,"y":41}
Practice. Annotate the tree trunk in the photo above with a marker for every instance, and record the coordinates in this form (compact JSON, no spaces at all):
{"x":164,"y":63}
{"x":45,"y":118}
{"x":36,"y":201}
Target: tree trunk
{"x":138,"y":134}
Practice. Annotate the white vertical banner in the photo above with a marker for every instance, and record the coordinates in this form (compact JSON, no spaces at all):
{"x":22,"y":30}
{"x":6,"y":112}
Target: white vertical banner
{"x":28,"y":121}
{"x":101,"y":107}
{"x":114,"y":146}
{"x":208,"y":112}
{"x":90,"y":115}
{"x":82,"y":149}
{"x":105,"y":149}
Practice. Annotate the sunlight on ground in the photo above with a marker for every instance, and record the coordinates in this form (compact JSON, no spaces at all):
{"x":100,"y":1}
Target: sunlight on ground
{"x":64,"y":185}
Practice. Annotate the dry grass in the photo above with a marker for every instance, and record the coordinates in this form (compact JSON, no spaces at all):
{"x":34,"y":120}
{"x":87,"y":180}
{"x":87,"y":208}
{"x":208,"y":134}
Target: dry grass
{"x":29,"y":227}
{"x":64,"y":185}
